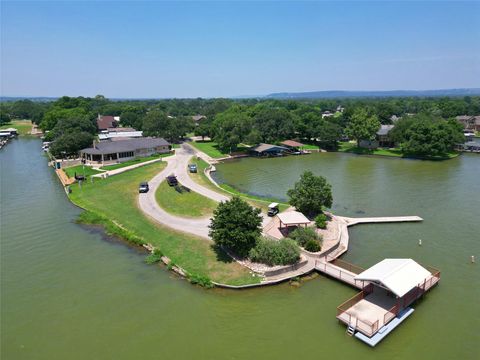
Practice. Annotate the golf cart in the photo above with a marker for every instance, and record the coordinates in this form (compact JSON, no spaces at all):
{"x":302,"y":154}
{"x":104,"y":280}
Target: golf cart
{"x":273,"y":209}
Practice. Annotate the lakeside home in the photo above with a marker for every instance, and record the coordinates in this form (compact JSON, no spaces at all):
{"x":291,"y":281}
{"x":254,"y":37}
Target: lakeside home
{"x":382,"y":138}
{"x":469,"y":122}
{"x":108,"y":152}
{"x":106,"y":121}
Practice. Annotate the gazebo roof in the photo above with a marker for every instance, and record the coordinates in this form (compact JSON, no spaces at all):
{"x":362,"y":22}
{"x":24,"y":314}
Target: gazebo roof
{"x":293,"y":218}
{"x":397,"y":275}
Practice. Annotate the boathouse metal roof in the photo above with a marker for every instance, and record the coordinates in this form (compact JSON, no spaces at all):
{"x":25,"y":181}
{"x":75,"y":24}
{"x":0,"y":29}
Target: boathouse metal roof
{"x":292,"y":143}
{"x":397,"y":275}
{"x":111,"y":147}
{"x":268,"y":147}
{"x":293,"y":218}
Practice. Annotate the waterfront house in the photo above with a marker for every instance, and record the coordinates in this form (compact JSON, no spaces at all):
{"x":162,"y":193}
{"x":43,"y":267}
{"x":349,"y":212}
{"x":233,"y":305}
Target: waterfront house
{"x":108,"y":152}
{"x":382,"y":138}
{"x":268,"y":150}
{"x":469,"y":122}
{"x":105,"y":121}
{"x":389,"y":287}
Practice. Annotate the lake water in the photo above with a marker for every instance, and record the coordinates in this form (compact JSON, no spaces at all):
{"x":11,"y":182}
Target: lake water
{"x":68,"y":292}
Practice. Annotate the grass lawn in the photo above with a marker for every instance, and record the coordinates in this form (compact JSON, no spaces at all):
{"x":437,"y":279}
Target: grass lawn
{"x":257,"y":201}
{"x":134,"y":161}
{"x":211,"y":149}
{"x":24,"y":127}
{"x":309,"y":147}
{"x":186,"y":203}
{"x":79,"y":169}
{"x":115,"y":199}
{"x":352,"y":148}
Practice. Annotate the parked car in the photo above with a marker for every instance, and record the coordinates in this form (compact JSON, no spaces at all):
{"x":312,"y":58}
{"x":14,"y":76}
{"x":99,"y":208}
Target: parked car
{"x":172,"y":180}
{"x":192,"y":168}
{"x":143,"y":187}
{"x":273,"y":209}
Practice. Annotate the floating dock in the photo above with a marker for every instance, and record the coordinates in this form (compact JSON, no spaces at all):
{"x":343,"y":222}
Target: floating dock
{"x":385,"y":330}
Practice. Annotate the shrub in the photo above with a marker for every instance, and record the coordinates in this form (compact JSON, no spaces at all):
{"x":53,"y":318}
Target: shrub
{"x":200,"y":280}
{"x":154,"y":257}
{"x":321,"y":221}
{"x":302,"y":235}
{"x":271,"y":252}
{"x":313,"y":245}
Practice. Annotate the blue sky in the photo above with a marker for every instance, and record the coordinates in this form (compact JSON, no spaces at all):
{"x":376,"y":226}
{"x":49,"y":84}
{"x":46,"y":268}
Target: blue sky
{"x":209,"y":49}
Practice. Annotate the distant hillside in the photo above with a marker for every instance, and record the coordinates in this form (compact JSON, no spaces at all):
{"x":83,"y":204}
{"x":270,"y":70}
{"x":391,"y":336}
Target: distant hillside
{"x":15,"y":98}
{"x":356,"y":94}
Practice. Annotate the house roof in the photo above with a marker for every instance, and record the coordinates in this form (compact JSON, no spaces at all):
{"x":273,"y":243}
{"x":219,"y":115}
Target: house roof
{"x":385,"y":129}
{"x":267,"y":147}
{"x":120,"y":134}
{"x":105,"y":122}
{"x":198,"y":117}
{"x":293,"y":218}
{"x":120,"y":129}
{"x":110,"y":147}
{"x":398,"y":275}
{"x":464,"y":117}
{"x":292,"y":143}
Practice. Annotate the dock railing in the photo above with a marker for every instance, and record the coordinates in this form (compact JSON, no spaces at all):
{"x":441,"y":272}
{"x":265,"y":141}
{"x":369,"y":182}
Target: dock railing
{"x":364,"y":326}
{"x":392,"y":312}
{"x":347,"y":266}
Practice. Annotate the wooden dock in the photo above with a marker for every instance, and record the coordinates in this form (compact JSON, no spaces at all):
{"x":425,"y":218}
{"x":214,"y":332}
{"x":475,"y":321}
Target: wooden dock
{"x":383,"y":219}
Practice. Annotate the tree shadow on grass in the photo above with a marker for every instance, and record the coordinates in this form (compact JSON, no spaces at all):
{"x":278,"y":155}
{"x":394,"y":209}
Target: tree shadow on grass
{"x":222,"y":255}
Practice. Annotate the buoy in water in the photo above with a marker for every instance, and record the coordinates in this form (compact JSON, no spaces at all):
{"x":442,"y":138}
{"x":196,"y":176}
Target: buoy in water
{"x":419,"y":242}
{"x":473,"y":259}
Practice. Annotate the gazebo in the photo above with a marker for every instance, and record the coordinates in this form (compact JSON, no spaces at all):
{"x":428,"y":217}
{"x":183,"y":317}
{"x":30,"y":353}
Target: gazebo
{"x":292,"y":218}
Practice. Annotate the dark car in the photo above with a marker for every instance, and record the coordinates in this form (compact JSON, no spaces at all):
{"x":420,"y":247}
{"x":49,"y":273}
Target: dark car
{"x":143,"y":187}
{"x":192,"y":168}
{"x":172,"y":180}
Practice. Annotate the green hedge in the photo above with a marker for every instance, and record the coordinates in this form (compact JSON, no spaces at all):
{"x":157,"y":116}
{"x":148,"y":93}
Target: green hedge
{"x":271,"y":252}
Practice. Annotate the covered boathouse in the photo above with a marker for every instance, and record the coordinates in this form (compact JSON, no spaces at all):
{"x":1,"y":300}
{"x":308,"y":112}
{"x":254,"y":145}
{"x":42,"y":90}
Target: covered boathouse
{"x":389,"y":288}
{"x":268,"y":150}
{"x":108,"y":152}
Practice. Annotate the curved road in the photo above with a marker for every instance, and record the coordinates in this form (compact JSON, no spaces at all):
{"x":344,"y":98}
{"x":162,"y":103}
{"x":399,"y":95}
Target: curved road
{"x":177,"y":165}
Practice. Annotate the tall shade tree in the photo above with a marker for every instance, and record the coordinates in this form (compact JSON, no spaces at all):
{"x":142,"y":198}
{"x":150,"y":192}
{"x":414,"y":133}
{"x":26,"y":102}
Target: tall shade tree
{"x":230,"y":128}
{"x":363,"y":126}
{"x":311,"y":194}
{"x":236,"y":226}
{"x":156,"y":123}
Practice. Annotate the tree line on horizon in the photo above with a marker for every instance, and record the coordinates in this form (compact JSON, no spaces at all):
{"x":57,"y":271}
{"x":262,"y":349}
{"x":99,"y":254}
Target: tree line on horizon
{"x":70,"y":122}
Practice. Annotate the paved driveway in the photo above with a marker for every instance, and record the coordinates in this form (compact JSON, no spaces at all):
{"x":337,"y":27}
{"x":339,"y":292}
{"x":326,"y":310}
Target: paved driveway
{"x":177,"y":165}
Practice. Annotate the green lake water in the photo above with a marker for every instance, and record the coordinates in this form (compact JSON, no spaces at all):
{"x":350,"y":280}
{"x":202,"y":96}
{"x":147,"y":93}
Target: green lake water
{"x":68,"y":292}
